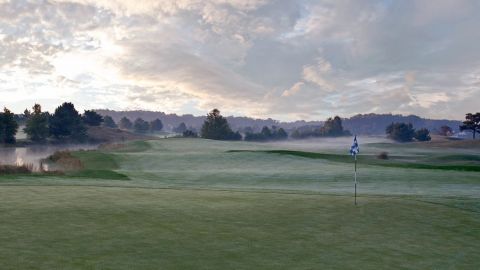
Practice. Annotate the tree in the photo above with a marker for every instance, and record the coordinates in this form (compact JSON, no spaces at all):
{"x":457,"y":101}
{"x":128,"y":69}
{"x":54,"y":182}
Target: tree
{"x":189,"y":134}
{"x":332,"y":127}
{"x":92,"y":118}
{"x":281,"y":134}
{"x":2,"y":129}
{"x":472,"y":122}
{"x":125,"y":123}
{"x":141,"y":126}
{"x":66,"y":123}
{"x":37,"y":125}
{"x":400,"y":132}
{"x":181,"y":128}
{"x":8,"y":127}
{"x":27,"y":113}
{"x":266,"y":132}
{"x":422,"y":135}
{"x":156,"y":125}
{"x":445,"y":131}
{"x":216,"y":127}
{"x":108,"y":122}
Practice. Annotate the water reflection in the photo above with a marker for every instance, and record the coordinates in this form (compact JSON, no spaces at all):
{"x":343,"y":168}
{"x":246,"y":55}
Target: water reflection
{"x":33,"y":155}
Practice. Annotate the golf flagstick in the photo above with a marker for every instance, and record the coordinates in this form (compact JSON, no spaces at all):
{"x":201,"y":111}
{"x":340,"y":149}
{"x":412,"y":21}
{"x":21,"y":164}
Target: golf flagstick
{"x":355,"y":179}
{"x":354,"y":150}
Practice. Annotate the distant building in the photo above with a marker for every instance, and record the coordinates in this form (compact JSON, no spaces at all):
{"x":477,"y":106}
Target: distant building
{"x":461,"y":135}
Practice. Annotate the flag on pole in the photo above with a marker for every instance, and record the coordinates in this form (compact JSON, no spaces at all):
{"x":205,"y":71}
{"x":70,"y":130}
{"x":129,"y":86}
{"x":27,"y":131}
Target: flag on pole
{"x":354,"y":150}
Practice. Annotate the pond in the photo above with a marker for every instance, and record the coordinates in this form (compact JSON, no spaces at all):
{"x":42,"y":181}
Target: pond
{"x":33,"y":155}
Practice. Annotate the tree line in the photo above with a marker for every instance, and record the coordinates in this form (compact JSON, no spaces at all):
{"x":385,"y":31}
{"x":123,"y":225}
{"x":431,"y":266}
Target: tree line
{"x":404,"y":132}
{"x":66,"y":124}
{"x":138,"y":126}
{"x":333,"y":127}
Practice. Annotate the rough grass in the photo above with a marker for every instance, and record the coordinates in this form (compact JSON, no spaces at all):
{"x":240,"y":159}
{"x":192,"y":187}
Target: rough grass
{"x":65,"y":161}
{"x":16,"y":169}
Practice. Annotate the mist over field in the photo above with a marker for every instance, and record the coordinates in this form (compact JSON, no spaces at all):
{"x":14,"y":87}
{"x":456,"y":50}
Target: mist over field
{"x":35,"y":154}
{"x":240,"y":134}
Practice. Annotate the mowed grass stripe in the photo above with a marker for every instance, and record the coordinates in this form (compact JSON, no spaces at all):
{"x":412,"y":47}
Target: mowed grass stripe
{"x":370,"y":160}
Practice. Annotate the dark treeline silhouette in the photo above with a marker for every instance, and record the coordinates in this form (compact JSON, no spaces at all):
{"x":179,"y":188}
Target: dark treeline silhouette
{"x":403,"y":132}
{"x":216,"y":127}
{"x":8,"y":127}
{"x":445,"y":131}
{"x":189,"y":134}
{"x":471,"y":123}
{"x":375,"y":124}
{"x":267,"y":134}
{"x":108,"y":122}
{"x":139,"y":125}
{"x":181,"y":128}
{"x":361,"y":124}
{"x":333,"y":127}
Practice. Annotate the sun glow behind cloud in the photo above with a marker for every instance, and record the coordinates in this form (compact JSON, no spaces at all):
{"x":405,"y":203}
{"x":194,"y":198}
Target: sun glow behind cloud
{"x":261,"y":58}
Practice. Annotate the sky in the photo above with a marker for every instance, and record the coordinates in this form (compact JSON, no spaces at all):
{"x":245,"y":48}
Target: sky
{"x":283,"y":59}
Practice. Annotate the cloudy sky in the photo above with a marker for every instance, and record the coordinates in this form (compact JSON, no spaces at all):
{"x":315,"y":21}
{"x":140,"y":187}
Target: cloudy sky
{"x":285,"y":59}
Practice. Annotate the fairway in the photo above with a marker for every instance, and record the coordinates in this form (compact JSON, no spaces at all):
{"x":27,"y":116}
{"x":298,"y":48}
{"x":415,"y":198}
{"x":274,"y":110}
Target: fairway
{"x":200,"y":204}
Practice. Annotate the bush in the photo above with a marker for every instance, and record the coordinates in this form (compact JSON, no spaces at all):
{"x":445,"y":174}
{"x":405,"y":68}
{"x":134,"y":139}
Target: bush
{"x":181,"y":128}
{"x":141,"y":126}
{"x":400,"y":132}
{"x":16,"y":169}
{"x":125,"y":123}
{"x":108,"y":122}
{"x":65,"y":160}
{"x":190,"y":134}
{"x":156,"y":125}
{"x":422,"y":135}
{"x":92,"y":118}
{"x":382,"y":155}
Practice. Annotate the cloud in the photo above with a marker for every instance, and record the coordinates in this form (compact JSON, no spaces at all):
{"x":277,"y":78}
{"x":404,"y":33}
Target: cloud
{"x":262,"y":58}
{"x":316,"y":74}
{"x":293,"y":90}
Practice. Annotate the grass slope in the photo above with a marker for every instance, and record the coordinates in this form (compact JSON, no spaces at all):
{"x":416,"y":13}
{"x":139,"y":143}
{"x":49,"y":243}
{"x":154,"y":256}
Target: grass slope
{"x":97,"y":165}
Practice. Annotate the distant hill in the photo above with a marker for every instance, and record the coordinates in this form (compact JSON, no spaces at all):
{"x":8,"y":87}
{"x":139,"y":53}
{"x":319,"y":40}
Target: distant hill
{"x":171,"y":121}
{"x":371,"y":124}
{"x":367,"y":124}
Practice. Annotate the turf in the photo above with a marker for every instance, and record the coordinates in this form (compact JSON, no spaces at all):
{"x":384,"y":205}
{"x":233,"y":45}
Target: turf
{"x":115,"y":228}
{"x":196,"y":204}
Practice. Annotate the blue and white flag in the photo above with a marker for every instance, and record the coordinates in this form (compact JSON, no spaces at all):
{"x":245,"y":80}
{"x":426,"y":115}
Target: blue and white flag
{"x":354,"y":150}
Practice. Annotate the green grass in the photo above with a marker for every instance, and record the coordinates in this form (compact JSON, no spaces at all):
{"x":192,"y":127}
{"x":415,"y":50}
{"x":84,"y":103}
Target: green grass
{"x":371,"y":160}
{"x":97,"y":165}
{"x":196,"y":204}
{"x":115,"y":228}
